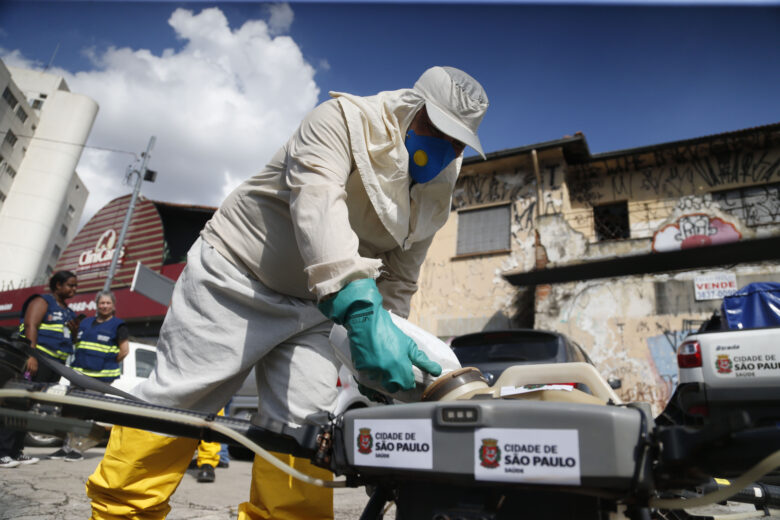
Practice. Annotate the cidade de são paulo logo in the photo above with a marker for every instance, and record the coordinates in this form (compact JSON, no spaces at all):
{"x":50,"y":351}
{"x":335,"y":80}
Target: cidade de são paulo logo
{"x":723,"y":364}
{"x":383,"y":443}
{"x":364,"y":441}
{"x":489,"y":453}
{"x":522,"y":455}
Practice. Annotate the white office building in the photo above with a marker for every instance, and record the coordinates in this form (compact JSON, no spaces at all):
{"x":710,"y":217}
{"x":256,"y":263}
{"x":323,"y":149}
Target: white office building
{"x":44,"y":127}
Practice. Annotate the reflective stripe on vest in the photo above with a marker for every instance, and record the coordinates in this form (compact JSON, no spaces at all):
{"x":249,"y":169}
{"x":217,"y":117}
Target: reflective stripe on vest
{"x":56,"y":354}
{"x":115,"y":372}
{"x":54,"y":327}
{"x":99,"y":347}
{"x":53,"y":334}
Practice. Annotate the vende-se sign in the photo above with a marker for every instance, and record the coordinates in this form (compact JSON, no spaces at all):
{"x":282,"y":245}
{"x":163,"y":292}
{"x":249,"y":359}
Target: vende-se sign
{"x":714,"y":286}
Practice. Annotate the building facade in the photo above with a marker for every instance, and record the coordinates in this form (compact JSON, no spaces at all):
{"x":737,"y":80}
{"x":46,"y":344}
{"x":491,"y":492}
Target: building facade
{"x":554,"y":204}
{"x":44,"y":128}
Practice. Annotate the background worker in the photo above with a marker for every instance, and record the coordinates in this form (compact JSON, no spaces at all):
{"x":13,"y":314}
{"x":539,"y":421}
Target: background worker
{"x":101,"y":344}
{"x":333,"y":229}
{"x":49,"y":325}
{"x":209,"y":456}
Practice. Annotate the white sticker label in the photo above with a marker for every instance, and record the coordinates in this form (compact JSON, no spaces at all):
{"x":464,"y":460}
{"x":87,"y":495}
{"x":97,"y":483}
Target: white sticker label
{"x":515,"y":390}
{"x":732,"y":361}
{"x":394,"y":444}
{"x":527,"y":455}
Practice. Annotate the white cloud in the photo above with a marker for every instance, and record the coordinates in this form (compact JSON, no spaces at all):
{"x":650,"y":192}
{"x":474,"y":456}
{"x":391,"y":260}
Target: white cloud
{"x":281,"y":18}
{"x":16,"y":59}
{"x":219,"y":107}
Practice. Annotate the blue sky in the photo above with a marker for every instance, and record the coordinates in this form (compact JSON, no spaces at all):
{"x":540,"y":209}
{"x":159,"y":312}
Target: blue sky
{"x":626,"y":75}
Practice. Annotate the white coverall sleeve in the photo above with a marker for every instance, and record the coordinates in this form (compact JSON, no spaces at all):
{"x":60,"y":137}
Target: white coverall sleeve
{"x":398,"y":281}
{"x":319,"y":162}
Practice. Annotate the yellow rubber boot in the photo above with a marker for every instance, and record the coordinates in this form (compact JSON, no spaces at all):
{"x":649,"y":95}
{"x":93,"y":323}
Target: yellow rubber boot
{"x":278,"y":496}
{"x":138,"y":474}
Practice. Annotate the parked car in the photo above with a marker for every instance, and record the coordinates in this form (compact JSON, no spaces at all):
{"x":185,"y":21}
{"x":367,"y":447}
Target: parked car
{"x":494,"y":351}
{"x":136,"y":366}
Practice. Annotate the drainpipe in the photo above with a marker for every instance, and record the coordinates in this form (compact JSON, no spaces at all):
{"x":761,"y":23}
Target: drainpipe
{"x":541,"y":292}
{"x":535,"y":160}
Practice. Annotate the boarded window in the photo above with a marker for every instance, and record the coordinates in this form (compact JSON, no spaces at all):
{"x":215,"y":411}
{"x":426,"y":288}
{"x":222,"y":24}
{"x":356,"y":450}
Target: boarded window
{"x":484,"y":230}
{"x":756,"y":205}
{"x":611,"y":221}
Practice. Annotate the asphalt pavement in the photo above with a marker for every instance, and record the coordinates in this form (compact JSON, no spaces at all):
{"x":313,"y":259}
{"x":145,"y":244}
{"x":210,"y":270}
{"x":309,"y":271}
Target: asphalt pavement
{"x":54,"y":490}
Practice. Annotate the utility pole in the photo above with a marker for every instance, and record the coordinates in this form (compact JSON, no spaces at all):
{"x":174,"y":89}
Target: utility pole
{"x":140,"y":175}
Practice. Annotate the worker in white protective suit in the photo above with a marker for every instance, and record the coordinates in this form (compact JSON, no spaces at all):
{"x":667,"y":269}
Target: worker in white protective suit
{"x":334,"y":229}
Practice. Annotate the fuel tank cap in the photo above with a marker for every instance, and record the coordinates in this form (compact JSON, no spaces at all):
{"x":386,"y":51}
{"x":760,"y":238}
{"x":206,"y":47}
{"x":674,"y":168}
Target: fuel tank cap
{"x":452,"y":385}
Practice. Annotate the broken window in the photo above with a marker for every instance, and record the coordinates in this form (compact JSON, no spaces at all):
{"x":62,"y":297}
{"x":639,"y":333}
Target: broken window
{"x":610,"y":221}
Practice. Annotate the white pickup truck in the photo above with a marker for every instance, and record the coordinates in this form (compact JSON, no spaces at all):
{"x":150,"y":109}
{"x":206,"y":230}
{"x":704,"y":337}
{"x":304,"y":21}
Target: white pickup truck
{"x":728,"y":395}
{"x":729,"y":372}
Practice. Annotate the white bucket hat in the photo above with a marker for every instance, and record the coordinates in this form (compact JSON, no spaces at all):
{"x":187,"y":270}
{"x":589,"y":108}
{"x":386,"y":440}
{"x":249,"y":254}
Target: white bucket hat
{"x":455,"y":102}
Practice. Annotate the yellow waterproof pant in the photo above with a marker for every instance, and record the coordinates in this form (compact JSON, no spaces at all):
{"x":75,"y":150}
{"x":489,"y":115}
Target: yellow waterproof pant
{"x":141,"y":470}
{"x":208,"y":452}
{"x":138,"y":474}
{"x":278,"y":496}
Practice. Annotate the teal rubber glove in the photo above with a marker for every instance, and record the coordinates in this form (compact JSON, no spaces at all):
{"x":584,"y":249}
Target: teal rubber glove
{"x":379,"y":348}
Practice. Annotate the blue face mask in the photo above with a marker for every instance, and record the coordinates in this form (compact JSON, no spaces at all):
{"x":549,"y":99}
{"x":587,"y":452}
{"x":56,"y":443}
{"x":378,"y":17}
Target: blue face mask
{"x":427,"y":156}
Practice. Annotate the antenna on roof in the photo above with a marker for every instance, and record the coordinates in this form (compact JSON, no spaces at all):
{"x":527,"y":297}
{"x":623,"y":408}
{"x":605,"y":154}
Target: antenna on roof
{"x":52,"y":57}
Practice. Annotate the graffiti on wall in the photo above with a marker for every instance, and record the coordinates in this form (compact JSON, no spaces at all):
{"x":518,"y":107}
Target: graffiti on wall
{"x":673,"y":173}
{"x":694,"y":230}
{"x":472,"y":190}
{"x":754,"y":205}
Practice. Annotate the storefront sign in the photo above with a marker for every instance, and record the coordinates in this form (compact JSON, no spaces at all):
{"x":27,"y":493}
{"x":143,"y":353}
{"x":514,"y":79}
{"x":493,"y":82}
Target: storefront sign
{"x":714,"y":286}
{"x":101,"y":255}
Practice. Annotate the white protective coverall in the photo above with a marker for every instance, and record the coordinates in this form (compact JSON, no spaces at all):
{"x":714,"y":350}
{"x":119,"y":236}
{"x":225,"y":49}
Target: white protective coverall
{"x":335,"y":204}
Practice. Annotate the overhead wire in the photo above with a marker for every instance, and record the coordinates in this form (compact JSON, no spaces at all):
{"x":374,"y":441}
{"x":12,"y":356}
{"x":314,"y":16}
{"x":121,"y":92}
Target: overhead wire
{"x":104,"y":148}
